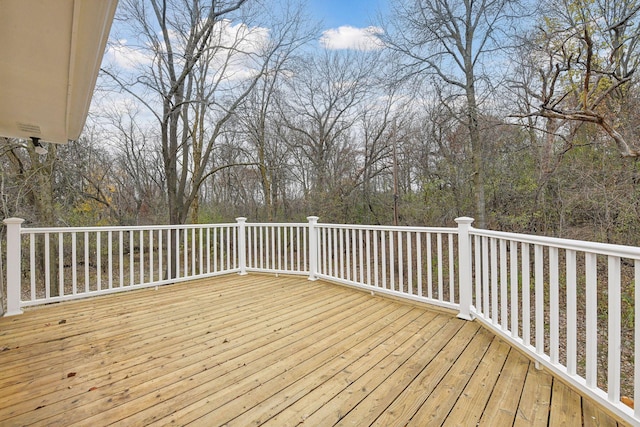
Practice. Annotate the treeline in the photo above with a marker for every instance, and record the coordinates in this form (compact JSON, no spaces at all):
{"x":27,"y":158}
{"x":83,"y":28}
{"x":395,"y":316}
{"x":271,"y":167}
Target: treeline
{"x":521,"y":115}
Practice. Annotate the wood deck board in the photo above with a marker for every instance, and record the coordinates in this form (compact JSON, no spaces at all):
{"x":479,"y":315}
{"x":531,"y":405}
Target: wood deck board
{"x":375,"y":398}
{"x":234,"y":319}
{"x":139,"y":388}
{"x":593,"y":417}
{"x":502,"y":406}
{"x":407,"y":407}
{"x":282,"y":378}
{"x":535,"y":400}
{"x":138,"y":357}
{"x":264,"y":350}
{"x":472,"y":402}
{"x":113,"y":330}
{"x":565,"y":408}
{"x":311,"y":348}
{"x":404,"y":330}
{"x":385,"y":354}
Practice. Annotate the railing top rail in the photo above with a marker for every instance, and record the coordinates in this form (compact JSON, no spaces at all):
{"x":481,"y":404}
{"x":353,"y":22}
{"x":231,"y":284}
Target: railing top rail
{"x":42,"y":230}
{"x":576,"y":245}
{"x":451,"y":230}
{"x":277,"y":224}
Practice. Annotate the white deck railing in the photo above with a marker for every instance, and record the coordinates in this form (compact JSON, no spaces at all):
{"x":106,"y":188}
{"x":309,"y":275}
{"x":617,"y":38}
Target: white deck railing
{"x":277,"y":248}
{"x":411,"y":262}
{"x":561,"y":302}
{"x":543,"y":295}
{"x":46,"y":265}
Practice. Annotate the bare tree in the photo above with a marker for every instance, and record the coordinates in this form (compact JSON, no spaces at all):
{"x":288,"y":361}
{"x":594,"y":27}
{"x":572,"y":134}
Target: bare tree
{"x":196,"y":68}
{"x":200,"y":67}
{"x":379,"y":123}
{"x":457,"y":41}
{"x":172,"y":38}
{"x":31,"y":176}
{"x":258,"y":116}
{"x":321,"y":110}
{"x":137,"y":161}
{"x":584,"y":55}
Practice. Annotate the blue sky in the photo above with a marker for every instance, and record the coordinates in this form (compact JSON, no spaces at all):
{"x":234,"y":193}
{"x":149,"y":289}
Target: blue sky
{"x":347,"y":24}
{"x":336,"y":13}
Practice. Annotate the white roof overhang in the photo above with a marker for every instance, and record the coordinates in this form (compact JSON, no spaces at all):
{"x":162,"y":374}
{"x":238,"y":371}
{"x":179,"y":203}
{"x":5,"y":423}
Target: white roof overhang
{"x":50,"y":55}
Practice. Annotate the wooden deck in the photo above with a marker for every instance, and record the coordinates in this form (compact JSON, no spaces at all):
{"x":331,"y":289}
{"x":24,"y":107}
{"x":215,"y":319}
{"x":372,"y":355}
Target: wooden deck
{"x":263,"y":350}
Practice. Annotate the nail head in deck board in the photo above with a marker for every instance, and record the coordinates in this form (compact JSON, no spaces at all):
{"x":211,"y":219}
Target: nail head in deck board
{"x":594,"y":417}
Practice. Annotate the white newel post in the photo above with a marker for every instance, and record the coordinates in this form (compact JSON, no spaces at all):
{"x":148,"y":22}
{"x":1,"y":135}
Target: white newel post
{"x":242,"y":245}
{"x":14,"y":263}
{"x":464,"y":265}
{"x":313,"y":247}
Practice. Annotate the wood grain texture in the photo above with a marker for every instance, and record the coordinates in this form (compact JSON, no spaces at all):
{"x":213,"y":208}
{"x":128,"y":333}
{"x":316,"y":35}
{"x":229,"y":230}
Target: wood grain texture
{"x":263,"y":350}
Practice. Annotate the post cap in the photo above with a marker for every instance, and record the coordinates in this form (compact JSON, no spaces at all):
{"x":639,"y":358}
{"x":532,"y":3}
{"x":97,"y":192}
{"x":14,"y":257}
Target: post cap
{"x":464,"y":220}
{"x":11,"y":221}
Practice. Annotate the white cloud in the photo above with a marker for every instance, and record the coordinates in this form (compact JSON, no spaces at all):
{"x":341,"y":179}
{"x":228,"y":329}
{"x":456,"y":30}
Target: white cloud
{"x":235,"y":60}
{"x":347,"y":37}
{"x":235,"y":46}
{"x":126,"y":56}
{"x":245,"y":38}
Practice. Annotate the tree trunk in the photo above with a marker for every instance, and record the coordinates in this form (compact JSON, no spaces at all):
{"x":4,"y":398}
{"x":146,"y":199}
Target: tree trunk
{"x":477,"y":153}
